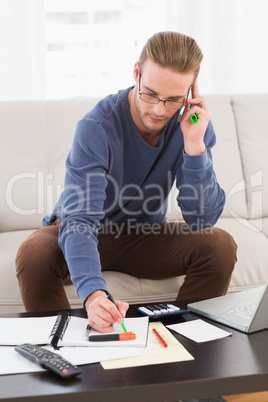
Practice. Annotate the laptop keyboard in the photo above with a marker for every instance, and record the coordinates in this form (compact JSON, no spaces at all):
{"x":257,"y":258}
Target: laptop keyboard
{"x":245,"y":311}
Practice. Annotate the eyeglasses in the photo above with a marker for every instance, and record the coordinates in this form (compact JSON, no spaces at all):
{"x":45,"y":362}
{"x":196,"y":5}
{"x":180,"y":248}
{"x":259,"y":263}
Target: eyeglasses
{"x":154,"y":100}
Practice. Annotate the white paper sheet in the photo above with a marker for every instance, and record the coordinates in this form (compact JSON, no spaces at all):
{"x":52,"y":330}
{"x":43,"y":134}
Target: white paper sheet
{"x":11,"y":362}
{"x":199,"y":331}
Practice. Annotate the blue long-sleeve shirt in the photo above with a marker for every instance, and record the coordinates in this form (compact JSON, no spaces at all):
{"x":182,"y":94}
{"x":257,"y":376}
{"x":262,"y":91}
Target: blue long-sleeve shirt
{"x":113,"y":177}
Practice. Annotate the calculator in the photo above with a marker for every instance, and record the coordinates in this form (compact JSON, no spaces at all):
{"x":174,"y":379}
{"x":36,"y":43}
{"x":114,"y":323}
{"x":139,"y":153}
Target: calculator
{"x":156,"y":311}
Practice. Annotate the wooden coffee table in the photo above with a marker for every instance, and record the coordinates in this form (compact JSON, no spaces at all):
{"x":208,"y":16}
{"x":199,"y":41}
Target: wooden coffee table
{"x":233,"y":365}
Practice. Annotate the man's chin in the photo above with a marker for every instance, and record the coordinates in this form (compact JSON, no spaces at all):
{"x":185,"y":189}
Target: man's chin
{"x":152,"y":124}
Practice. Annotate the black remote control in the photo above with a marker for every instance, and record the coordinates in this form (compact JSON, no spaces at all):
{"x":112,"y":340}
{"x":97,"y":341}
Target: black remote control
{"x":49,"y":360}
{"x":156,"y":311}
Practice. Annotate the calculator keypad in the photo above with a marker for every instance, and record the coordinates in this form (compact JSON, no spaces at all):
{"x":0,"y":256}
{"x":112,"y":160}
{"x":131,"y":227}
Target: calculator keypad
{"x":160,"y":310}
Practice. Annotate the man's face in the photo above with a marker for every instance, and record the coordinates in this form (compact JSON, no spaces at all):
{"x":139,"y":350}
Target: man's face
{"x":162,"y":83}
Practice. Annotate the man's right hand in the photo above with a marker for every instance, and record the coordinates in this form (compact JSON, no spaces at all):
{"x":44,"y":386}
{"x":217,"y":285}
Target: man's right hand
{"x":102,"y":313}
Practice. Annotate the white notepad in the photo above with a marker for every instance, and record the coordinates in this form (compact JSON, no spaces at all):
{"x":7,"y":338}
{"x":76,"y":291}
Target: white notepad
{"x":37,"y":330}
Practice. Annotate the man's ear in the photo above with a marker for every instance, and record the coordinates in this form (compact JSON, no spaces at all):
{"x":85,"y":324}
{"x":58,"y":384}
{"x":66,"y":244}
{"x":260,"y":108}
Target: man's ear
{"x":136,"y":71}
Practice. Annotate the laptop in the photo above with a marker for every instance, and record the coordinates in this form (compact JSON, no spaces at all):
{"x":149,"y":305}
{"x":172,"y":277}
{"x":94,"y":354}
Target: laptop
{"x":246,"y":311}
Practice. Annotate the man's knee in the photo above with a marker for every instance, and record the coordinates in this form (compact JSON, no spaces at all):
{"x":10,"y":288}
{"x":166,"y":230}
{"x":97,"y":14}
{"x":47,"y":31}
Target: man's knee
{"x":223,"y":249}
{"x":223,"y":242}
{"x":41,"y":272}
{"x":38,"y":254}
{"x":29,"y":255}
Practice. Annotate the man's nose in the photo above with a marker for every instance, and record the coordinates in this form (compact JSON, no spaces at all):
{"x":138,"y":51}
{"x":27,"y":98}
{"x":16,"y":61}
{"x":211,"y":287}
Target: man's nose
{"x":159,"y":108}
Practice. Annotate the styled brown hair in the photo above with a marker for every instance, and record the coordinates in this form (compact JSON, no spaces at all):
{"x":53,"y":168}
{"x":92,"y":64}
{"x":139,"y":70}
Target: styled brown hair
{"x":174,"y":50}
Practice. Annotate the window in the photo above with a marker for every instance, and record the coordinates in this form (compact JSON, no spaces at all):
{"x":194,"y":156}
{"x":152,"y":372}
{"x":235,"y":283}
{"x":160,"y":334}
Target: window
{"x":91,"y":48}
{"x":62,"y":48}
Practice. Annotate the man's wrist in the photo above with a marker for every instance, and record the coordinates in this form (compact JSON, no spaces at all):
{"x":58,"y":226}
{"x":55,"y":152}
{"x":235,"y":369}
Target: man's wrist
{"x":194,"y":149}
{"x":93,"y":296}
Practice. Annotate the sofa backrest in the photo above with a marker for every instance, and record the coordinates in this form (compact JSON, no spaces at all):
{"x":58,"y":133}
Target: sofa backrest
{"x":240,"y":154}
{"x":36,"y":137}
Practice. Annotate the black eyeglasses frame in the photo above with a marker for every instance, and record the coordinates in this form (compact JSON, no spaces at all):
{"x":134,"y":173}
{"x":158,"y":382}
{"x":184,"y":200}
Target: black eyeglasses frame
{"x":183,"y":104}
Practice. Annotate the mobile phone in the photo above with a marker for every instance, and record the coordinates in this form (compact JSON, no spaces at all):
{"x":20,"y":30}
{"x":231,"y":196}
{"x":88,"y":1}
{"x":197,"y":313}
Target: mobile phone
{"x":184,"y":105}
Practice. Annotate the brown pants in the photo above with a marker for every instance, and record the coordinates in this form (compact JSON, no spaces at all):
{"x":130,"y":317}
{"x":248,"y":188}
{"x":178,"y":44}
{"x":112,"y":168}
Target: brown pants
{"x":207,"y":258}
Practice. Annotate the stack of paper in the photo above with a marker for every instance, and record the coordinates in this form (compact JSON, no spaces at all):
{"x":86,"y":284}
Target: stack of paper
{"x":75,"y":347}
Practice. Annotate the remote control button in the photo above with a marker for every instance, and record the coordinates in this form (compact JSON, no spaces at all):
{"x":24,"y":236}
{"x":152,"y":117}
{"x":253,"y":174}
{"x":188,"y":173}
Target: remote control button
{"x":50,"y":361}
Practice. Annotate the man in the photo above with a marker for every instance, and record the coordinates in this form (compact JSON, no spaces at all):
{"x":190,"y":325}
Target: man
{"x":126,"y":154}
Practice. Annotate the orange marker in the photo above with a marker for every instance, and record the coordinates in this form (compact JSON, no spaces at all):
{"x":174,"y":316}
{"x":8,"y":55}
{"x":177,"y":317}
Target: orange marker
{"x":124,"y":336}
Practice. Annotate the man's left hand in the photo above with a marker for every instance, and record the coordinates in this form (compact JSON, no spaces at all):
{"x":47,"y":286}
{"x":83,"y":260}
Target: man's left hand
{"x":193,"y":134}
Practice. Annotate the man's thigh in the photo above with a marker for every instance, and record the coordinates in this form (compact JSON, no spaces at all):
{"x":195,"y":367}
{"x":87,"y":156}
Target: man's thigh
{"x":152,"y":252}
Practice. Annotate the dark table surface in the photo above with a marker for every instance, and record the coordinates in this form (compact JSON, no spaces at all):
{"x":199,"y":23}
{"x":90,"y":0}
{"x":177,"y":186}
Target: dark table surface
{"x":232,"y":365}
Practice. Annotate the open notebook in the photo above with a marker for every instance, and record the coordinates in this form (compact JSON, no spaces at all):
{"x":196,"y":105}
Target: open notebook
{"x":245,"y":311}
{"x":71,"y":331}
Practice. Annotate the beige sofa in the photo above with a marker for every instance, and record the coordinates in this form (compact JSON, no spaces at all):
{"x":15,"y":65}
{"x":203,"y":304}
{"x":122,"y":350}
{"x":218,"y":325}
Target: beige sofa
{"x":35,"y":139}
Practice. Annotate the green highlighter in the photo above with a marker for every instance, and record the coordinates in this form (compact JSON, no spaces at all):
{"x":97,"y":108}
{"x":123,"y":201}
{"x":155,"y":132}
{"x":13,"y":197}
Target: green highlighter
{"x":110,"y":297}
{"x":194,"y":118}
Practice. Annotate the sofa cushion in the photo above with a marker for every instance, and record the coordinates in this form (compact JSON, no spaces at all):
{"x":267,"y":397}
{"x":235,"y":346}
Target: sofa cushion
{"x":227,"y":160}
{"x":23,"y":131}
{"x":10,"y":299}
{"x":251,"y":115}
{"x":134,"y":290}
{"x":62,"y":117}
{"x":251,"y":268}
{"x":37,"y":136}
